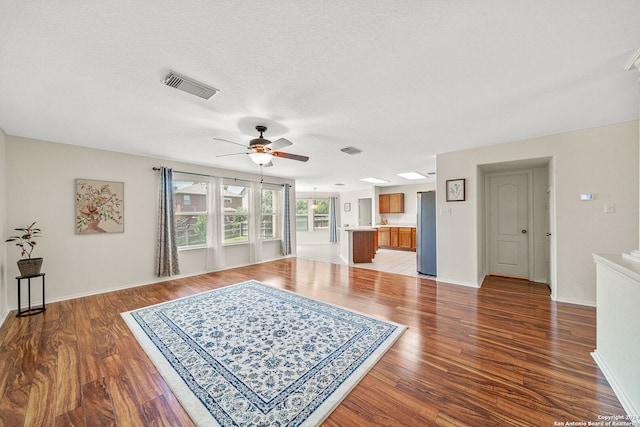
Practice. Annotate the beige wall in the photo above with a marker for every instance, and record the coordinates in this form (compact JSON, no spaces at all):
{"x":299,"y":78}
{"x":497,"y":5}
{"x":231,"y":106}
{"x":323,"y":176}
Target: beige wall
{"x":602,"y":161}
{"x":78,"y":265}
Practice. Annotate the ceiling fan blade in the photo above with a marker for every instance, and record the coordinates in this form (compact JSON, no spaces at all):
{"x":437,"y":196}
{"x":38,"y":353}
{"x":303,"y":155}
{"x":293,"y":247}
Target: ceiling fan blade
{"x":232,"y":154}
{"x":290,"y":156}
{"x":226,"y":140}
{"x":280,"y":143}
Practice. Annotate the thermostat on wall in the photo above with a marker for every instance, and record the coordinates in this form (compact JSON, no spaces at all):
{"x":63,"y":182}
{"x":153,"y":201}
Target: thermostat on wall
{"x":586,"y":197}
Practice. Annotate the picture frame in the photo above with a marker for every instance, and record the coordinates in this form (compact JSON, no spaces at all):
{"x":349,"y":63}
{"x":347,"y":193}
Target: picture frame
{"x":347,"y":207}
{"x":456,"y":190}
{"x":99,"y":206}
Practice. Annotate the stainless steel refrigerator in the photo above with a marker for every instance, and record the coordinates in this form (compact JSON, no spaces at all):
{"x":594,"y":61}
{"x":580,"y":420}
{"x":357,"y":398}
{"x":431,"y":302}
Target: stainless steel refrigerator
{"x":426,"y":233}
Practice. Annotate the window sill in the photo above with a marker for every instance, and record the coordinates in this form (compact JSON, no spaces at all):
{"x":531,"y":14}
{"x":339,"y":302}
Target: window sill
{"x":191,"y":248}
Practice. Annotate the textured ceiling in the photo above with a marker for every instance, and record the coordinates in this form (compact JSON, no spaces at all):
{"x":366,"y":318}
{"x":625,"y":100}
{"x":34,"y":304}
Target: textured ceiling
{"x":401,"y":80}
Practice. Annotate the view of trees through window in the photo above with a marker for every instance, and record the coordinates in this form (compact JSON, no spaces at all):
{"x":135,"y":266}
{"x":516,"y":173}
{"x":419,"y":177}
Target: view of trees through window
{"x":191,"y":211}
{"x":320,"y":214}
{"x":314,"y":212}
{"x":270,"y":217}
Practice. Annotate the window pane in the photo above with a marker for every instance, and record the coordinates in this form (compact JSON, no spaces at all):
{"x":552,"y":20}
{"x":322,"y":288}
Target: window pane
{"x":267,"y":229}
{"x":191,"y":230}
{"x":321,"y":206}
{"x":267,"y":201}
{"x":235,"y":198}
{"x":320,"y":221}
{"x":236,"y":213}
{"x":236,"y":228}
{"x":321,"y":214}
{"x":302,"y":223}
{"x":302,"y":207}
{"x":190,"y":205}
{"x":190,"y":196}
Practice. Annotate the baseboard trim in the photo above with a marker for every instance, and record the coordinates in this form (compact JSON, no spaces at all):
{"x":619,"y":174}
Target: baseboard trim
{"x":632,"y":412}
{"x":456,"y":282}
{"x":145,"y":283}
{"x":575,"y":301}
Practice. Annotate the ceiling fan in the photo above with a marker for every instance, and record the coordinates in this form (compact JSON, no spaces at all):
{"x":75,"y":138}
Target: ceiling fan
{"x":262,"y":151}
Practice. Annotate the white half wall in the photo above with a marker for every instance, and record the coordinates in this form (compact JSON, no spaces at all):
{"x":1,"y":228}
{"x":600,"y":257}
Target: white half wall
{"x":601,"y":161}
{"x":4,"y":309}
{"x":77,"y":265}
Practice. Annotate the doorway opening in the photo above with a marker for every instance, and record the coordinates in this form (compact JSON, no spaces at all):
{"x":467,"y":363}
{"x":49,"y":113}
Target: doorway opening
{"x":518,"y":211}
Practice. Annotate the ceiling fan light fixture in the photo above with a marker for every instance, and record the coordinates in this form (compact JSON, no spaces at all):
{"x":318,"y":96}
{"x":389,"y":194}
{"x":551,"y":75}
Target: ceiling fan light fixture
{"x":260,"y":157}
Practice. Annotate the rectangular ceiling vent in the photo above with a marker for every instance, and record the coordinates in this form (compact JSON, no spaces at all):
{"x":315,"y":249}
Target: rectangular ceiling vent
{"x":351,"y":150}
{"x":188,"y":85}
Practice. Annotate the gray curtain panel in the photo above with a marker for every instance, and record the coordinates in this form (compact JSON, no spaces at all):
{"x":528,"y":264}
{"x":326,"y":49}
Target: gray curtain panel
{"x":333,"y":221}
{"x":166,"y":246}
{"x":286,"y":222}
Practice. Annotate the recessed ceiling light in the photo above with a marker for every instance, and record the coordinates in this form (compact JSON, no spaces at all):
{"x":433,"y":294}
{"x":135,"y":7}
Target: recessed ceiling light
{"x":411,"y":175}
{"x":374,"y":180}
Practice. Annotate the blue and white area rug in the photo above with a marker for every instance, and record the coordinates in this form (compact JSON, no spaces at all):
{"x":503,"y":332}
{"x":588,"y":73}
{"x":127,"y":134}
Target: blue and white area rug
{"x":253,"y":355}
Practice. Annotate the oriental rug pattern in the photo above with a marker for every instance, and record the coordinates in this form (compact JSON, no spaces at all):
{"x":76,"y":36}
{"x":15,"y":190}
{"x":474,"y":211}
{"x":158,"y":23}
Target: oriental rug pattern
{"x":253,"y":355}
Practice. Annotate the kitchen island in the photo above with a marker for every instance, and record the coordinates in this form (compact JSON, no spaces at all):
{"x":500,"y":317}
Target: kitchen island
{"x":357,"y":245}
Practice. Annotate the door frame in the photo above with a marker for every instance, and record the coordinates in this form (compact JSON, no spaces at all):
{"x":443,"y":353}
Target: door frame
{"x":530,"y":223}
{"x":514,"y":165}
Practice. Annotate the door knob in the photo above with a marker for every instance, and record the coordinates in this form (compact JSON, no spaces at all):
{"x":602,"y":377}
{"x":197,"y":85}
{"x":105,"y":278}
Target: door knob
{"x":548,"y":234}
{"x":524,"y":231}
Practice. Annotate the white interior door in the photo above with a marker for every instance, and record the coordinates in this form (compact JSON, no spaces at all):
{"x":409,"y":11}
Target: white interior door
{"x":508,"y":234}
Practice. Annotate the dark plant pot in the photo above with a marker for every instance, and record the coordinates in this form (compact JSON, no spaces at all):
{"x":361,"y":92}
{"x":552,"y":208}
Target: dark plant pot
{"x":30,"y":266}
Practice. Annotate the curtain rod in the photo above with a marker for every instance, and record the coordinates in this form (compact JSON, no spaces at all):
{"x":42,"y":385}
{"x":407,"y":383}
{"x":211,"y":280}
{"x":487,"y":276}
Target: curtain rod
{"x":155,"y":168}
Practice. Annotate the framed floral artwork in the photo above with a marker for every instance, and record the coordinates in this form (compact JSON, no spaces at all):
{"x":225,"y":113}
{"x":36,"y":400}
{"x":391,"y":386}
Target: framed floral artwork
{"x":99,"y":206}
{"x":456,"y":190}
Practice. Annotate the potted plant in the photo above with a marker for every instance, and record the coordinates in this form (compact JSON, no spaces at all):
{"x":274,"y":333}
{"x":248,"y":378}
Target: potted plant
{"x":25,"y":241}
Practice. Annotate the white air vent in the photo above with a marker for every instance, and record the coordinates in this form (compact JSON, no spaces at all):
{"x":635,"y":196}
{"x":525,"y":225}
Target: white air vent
{"x":188,"y":85}
{"x":351,"y":150}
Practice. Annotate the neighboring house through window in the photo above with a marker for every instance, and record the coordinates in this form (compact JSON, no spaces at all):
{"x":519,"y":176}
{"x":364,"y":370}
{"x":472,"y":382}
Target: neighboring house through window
{"x":190,"y":206}
{"x":236,"y":213}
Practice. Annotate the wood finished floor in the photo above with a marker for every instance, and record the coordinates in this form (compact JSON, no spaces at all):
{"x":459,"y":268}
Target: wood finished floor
{"x":501,"y":355}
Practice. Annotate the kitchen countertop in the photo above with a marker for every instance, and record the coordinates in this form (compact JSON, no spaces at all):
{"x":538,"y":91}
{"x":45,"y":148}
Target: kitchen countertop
{"x":395,"y":225}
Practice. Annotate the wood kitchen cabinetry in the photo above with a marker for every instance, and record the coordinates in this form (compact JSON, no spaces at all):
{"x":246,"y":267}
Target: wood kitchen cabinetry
{"x":404,"y":238}
{"x":397,"y":238}
{"x":391,"y":203}
{"x":363,"y":246}
{"x":384,"y":237}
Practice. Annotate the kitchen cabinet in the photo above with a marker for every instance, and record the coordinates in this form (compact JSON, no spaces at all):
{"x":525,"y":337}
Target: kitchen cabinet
{"x":404,"y":238}
{"x":384,"y":236}
{"x":397,"y":238}
{"x":391,"y":203}
{"x":393,"y":238}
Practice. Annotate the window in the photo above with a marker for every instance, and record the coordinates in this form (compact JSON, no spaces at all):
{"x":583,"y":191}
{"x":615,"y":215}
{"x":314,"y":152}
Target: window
{"x":270,"y":214}
{"x":302,"y":215}
{"x":320,"y":214}
{"x":190,"y":207}
{"x":236,"y":213}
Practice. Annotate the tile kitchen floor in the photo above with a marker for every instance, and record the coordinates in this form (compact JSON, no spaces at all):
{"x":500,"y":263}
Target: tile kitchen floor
{"x":388,"y":260}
